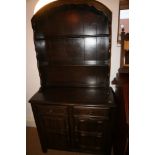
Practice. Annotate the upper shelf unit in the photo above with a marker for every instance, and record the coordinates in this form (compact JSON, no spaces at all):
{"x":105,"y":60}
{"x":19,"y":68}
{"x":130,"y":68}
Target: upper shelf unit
{"x":73,"y":44}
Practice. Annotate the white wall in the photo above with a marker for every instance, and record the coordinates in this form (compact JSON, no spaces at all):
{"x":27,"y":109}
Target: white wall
{"x":33,"y":82}
{"x":113,"y":5}
{"x":32,"y":76}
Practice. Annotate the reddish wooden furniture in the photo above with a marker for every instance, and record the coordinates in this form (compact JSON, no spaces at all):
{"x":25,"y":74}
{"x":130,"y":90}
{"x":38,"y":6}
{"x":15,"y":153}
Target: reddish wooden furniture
{"x":121,"y":81}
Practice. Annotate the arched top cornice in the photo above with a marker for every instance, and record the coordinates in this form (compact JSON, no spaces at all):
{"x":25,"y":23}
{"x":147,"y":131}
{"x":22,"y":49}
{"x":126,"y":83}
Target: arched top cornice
{"x":91,"y":3}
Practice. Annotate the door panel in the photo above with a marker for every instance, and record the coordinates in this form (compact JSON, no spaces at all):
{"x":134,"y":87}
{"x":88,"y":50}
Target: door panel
{"x":55,"y":140}
{"x":55,"y":124}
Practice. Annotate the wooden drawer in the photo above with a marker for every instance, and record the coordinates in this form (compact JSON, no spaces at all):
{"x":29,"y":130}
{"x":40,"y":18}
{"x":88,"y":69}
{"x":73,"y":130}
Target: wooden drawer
{"x":90,"y":124}
{"x":79,"y":110}
{"x":87,"y":143}
{"x":52,"y":110}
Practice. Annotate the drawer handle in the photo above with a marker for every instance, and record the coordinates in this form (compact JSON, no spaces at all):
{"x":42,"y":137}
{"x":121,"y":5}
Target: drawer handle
{"x":83,"y":134}
{"x":109,"y":101}
{"x":99,"y":135}
{"x":97,"y":148}
{"x":83,"y":146}
{"x":99,"y":122}
{"x":81,"y":120}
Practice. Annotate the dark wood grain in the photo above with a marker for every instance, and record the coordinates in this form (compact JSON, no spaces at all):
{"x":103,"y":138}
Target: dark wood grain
{"x":74,"y":109}
{"x":82,"y":39}
{"x":71,"y":95}
{"x":121,"y":144}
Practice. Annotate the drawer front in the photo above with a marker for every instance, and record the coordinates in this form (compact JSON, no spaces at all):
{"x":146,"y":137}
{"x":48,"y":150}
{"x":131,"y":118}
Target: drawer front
{"x":90,"y":124}
{"x":79,"y":110}
{"x":86,"y":142}
{"x":52,"y":110}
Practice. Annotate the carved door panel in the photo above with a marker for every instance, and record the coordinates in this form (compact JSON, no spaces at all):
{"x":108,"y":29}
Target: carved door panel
{"x":57,"y":131}
{"x":58,"y":140}
{"x":55,"y":124}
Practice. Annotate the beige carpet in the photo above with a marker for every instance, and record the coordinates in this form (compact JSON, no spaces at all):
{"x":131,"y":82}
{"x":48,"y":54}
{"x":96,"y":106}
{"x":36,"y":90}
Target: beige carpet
{"x":33,"y":145}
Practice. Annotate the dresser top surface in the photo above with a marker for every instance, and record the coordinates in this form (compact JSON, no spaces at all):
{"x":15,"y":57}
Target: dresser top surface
{"x":63,"y":95}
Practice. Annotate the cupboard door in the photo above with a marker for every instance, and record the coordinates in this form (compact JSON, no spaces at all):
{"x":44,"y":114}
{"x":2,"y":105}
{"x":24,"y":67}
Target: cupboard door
{"x":58,"y":140}
{"x":56,"y":130}
{"x":55,"y":124}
